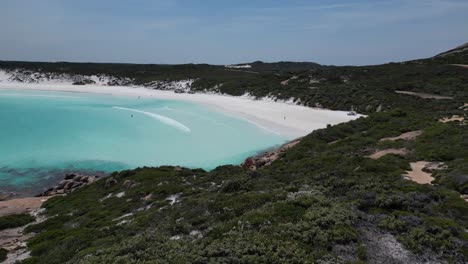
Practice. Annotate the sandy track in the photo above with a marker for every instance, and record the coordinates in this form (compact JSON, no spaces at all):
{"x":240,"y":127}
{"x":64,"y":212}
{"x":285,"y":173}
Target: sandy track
{"x":405,"y":136}
{"x":426,"y":95}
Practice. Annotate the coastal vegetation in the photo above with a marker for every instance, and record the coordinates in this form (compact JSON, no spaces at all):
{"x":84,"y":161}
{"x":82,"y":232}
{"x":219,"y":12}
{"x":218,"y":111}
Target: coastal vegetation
{"x":15,"y":220}
{"x":3,"y":254}
{"x":323,"y":201}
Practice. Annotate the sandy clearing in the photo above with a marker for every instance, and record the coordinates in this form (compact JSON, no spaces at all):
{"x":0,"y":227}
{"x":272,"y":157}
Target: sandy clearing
{"x":381,"y":153}
{"x":417,"y":174}
{"x":288,"y":120}
{"x":286,"y":82}
{"x":425,"y":95}
{"x":453,"y":118}
{"x":411,"y":135}
{"x":21,"y":205}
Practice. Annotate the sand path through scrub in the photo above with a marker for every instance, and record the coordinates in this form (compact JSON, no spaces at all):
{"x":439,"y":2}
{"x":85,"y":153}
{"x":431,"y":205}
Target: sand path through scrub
{"x":405,"y":136}
{"x":425,"y":95}
{"x":451,"y":119}
{"x":381,"y":153}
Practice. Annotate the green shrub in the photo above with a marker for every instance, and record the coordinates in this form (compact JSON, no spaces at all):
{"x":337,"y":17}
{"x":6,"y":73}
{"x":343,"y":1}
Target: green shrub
{"x":361,"y":252}
{"x":392,"y":223}
{"x":3,"y":254}
{"x":16,"y":220}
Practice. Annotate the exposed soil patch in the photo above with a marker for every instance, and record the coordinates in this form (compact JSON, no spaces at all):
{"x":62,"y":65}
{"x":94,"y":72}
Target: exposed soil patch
{"x":425,"y":95}
{"x":417,"y":174}
{"x":285,"y":82}
{"x":453,"y":118}
{"x":381,"y":153}
{"x":405,"y":136}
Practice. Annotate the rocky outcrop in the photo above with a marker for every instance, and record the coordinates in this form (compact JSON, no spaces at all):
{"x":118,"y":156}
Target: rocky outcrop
{"x":110,"y":182}
{"x":129,"y":184}
{"x":70,"y":183}
{"x":266,"y":158}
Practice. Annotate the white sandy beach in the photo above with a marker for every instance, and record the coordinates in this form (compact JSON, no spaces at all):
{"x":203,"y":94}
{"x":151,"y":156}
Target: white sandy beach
{"x":285,"y":119}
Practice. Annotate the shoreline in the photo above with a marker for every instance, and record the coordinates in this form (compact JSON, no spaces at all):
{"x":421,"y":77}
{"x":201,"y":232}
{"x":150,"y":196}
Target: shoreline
{"x":288,"y":120}
{"x":263,"y":113}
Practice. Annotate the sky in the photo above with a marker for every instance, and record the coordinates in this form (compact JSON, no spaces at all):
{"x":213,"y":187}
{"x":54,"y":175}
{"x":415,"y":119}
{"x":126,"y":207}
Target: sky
{"x":331,"y":32}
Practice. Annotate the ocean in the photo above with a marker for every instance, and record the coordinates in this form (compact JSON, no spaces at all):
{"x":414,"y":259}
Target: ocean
{"x":44,"y":135}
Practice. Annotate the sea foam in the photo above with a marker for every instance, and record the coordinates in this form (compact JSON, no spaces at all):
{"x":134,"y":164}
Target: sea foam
{"x":163,"y":119}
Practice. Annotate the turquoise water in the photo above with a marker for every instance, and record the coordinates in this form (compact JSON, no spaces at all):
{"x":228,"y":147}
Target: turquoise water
{"x":46,"y":134}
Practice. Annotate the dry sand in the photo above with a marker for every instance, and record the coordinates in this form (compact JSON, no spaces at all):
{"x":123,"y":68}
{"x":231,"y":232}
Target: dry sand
{"x":21,"y":205}
{"x":453,"y":118}
{"x":425,"y":95}
{"x":417,"y":174}
{"x":281,"y":118}
{"x":381,"y":153}
{"x":405,"y":136}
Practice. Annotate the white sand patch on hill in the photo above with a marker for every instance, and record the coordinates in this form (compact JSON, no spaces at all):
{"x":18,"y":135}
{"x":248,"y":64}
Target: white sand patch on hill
{"x":426,"y":95}
{"x":405,"y":136}
{"x":417,"y":174}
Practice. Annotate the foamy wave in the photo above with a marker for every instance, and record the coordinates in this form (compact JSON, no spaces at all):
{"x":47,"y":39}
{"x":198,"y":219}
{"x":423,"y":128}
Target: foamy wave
{"x":164,"y":119}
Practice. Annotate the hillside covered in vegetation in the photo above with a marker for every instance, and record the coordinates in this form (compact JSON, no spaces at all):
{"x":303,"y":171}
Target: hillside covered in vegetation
{"x":328,"y":199}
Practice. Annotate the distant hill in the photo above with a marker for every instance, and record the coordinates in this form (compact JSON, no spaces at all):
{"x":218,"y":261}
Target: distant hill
{"x":458,"y":55}
{"x":460,"y":49}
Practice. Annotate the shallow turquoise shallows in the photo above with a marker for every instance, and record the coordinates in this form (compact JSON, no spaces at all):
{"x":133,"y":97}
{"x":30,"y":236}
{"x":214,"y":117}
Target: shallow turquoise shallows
{"x":46,"y":134}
